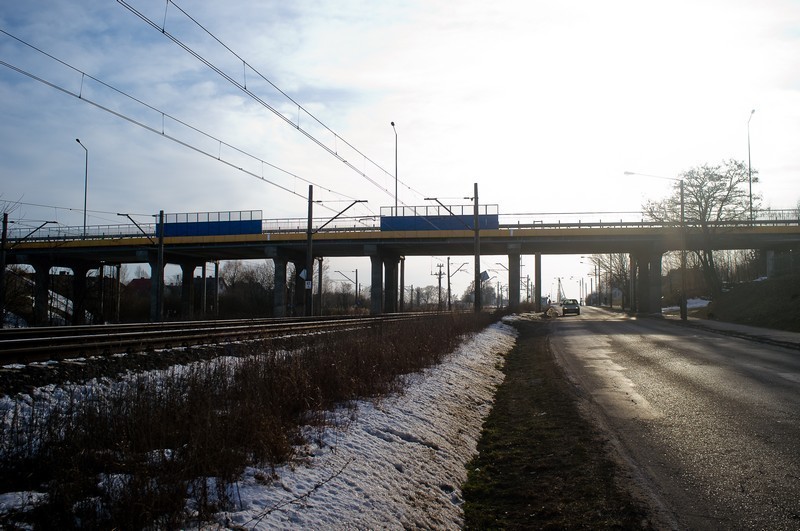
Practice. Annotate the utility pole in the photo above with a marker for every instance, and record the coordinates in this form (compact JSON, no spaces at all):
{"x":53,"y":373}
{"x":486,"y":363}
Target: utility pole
{"x":439,"y":275}
{"x":160,"y":267}
{"x":395,"y":169}
{"x":85,"y":183}
{"x":3,"y":269}
{"x":309,"y":278}
{"x":449,"y":304}
{"x":528,"y":289}
{"x":477,"y":228}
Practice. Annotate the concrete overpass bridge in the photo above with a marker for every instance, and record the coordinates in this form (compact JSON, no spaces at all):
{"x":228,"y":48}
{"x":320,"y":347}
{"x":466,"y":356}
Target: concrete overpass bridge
{"x":286,"y":241}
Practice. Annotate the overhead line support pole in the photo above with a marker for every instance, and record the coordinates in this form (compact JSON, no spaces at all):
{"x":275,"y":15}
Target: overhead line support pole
{"x":309,"y":256}
{"x":478,"y":301}
{"x":3,"y":269}
{"x":395,"y":169}
{"x":160,"y":267}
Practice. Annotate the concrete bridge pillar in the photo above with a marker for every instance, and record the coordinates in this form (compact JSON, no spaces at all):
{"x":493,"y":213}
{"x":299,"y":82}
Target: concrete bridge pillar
{"x":279,"y":293}
{"x":282,"y":306}
{"x":649,"y":283}
{"x":642,"y":275}
{"x":156,"y":289}
{"x":79,"y":272}
{"x":299,"y":295}
{"x":633,"y":285}
{"x":187,"y":290}
{"x":390,"y":266}
{"x":655,"y":284}
{"x":41,"y":291}
{"x":402,"y":291}
{"x":513,"y":280}
{"x":216,"y":288}
{"x":376,"y":287}
{"x":537,"y":282}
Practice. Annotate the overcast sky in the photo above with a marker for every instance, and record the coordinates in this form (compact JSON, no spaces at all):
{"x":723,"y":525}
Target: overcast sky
{"x":543,"y":104}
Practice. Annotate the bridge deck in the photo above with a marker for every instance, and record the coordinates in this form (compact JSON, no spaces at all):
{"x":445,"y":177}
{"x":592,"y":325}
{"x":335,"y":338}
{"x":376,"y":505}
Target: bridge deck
{"x":519,"y":239}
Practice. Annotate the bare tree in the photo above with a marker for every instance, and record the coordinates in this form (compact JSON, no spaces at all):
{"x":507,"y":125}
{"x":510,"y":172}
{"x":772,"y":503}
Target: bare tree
{"x":712,"y":194}
{"x":428,"y":295}
{"x":614,"y":272}
{"x":263,"y":273}
{"x":249,"y":288}
{"x":488,"y":293}
{"x":231,"y":272}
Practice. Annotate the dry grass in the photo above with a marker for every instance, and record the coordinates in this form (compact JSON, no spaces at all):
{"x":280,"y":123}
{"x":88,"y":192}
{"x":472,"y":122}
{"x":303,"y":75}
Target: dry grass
{"x":166,"y":448}
{"x":540,"y":464}
{"x":771,"y":303}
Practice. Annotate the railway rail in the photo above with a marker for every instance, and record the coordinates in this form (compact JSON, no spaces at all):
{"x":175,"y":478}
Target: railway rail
{"x":28,"y":345}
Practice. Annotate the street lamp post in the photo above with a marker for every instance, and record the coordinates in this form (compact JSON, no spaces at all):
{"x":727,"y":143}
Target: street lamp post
{"x":85,"y":184}
{"x":749,"y":168}
{"x":395,"y":169}
{"x":684,"y":311}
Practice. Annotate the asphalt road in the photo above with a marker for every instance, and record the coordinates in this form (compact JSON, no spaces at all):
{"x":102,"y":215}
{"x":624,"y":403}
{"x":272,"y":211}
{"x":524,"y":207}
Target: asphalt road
{"x":709,"y":425}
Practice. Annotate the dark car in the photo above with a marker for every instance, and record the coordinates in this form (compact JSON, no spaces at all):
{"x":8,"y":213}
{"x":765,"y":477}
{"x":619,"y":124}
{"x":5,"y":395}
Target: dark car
{"x":570,"y":306}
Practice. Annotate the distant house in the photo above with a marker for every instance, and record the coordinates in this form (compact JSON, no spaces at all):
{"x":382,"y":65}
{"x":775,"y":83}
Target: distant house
{"x":139,"y":286}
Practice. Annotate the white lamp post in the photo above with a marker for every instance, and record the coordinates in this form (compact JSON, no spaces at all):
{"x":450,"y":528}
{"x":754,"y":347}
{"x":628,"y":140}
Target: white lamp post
{"x":395,"y":169}
{"x":85,"y":184}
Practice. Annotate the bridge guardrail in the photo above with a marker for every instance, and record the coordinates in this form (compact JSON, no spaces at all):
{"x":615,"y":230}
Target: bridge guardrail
{"x":360,"y":224}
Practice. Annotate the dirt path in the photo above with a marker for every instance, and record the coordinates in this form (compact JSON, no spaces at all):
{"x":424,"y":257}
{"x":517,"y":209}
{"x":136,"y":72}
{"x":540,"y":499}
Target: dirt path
{"x":540,"y":464}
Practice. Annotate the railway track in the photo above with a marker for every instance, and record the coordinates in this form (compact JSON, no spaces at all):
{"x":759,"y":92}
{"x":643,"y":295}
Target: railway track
{"x":28,"y":345}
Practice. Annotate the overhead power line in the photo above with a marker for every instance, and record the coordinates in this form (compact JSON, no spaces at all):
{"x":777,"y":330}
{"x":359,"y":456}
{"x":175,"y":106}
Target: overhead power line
{"x":243,"y":87}
{"x":79,"y":95}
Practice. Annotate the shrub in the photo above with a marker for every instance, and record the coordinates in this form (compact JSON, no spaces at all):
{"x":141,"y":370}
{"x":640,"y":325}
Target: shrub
{"x":160,"y":448}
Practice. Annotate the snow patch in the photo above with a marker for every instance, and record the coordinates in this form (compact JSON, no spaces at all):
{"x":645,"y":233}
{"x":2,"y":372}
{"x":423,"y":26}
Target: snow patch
{"x":400,"y":464}
{"x":690,"y":304}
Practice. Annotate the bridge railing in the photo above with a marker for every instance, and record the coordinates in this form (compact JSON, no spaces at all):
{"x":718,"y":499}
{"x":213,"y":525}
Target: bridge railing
{"x":434,"y":210}
{"x":93,"y":232}
{"x":343,"y":224}
{"x":542,"y":220}
{"x":570,"y":219}
{"x":788,"y":217}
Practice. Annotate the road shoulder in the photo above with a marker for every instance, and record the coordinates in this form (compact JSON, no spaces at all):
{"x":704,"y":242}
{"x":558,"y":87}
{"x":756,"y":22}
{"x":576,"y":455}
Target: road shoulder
{"x":540,"y":462}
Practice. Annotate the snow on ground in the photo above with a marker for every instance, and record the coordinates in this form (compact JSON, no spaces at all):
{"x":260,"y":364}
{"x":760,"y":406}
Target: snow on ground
{"x":398,"y":465}
{"x":691,"y":304}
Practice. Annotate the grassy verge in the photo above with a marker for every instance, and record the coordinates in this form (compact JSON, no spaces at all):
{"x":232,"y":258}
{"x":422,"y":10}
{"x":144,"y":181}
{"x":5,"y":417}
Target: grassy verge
{"x":771,"y":303}
{"x":540,"y":464}
{"x":159,"y":449}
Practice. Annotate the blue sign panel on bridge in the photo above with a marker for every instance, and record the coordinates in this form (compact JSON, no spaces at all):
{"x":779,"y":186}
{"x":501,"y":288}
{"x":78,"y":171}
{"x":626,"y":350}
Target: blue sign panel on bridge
{"x":213,"y":223}
{"x":440,"y":217}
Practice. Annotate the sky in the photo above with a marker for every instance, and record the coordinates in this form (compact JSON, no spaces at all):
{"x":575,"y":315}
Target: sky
{"x":544,"y":105}
{"x":395,"y":464}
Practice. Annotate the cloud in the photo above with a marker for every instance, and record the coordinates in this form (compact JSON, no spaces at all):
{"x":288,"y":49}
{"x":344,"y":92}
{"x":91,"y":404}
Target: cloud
{"x":543,"y":104}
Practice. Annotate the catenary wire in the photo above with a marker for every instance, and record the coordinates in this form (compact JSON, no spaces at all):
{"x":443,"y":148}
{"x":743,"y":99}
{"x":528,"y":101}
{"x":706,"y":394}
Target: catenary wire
{"x":134,"y":121}
{"x":258,"y":99}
